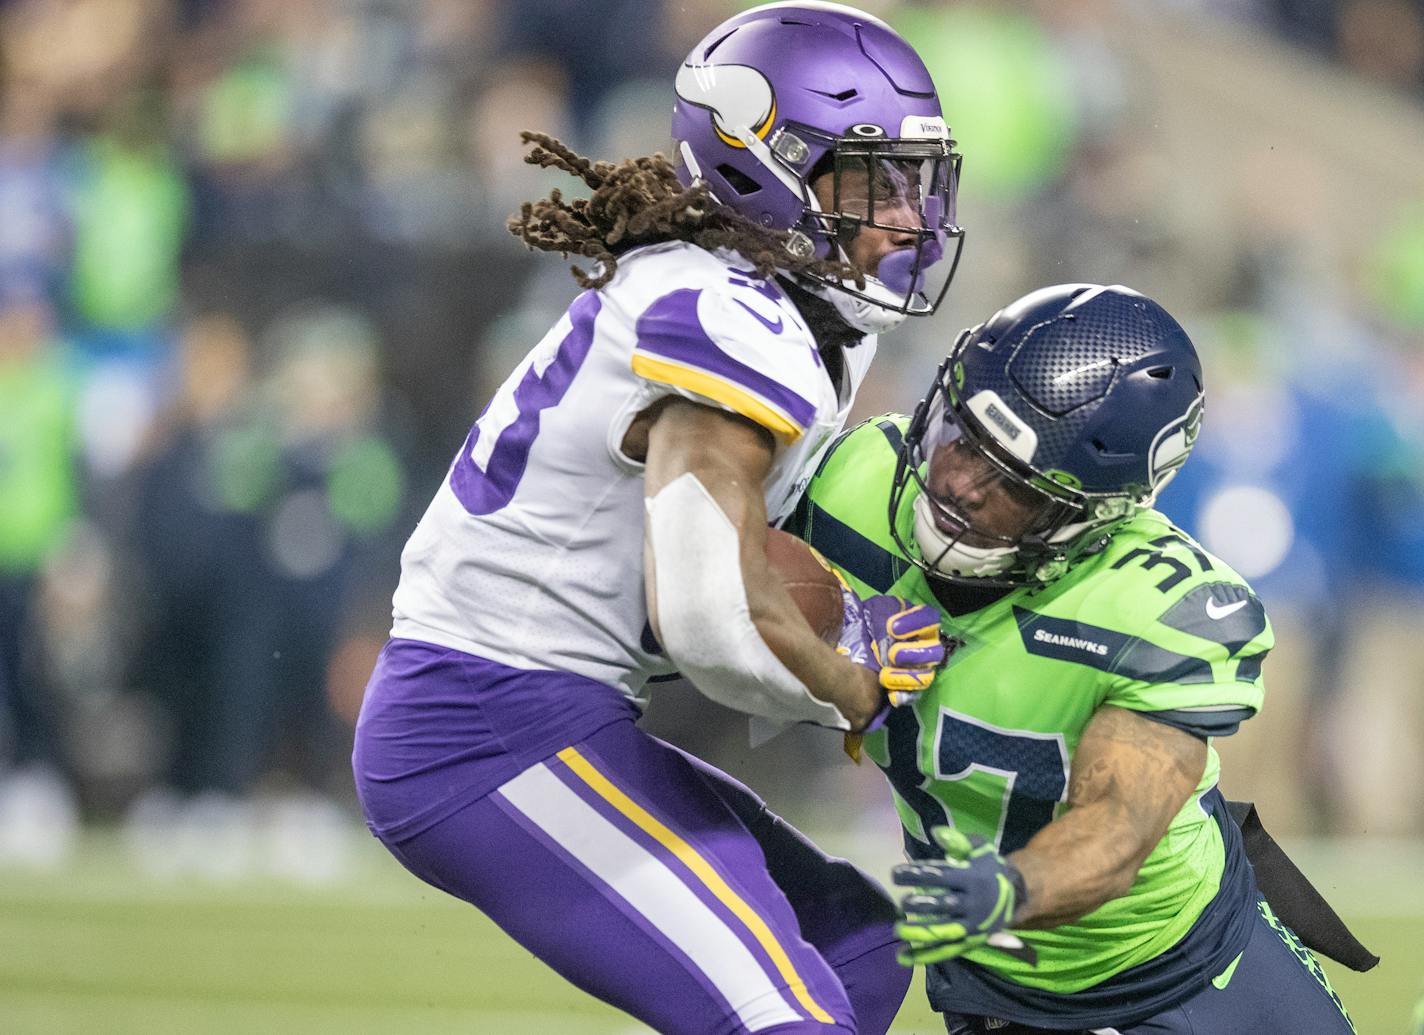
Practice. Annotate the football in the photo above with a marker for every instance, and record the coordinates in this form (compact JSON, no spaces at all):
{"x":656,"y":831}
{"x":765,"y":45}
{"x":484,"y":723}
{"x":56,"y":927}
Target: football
{"x":816,"y":591}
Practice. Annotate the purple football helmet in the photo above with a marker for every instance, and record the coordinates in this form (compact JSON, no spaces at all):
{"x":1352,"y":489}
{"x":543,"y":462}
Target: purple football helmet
{"x":775,"y":97}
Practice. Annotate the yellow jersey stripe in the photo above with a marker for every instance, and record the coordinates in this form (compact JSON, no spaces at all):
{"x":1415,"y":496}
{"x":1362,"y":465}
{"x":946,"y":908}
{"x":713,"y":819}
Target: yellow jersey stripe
{"x":732,"y":396}
{"x":605,"y":789}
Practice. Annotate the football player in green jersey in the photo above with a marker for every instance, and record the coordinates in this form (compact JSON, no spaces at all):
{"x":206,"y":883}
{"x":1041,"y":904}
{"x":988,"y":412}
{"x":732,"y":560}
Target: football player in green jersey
{"x":1073,"y":866}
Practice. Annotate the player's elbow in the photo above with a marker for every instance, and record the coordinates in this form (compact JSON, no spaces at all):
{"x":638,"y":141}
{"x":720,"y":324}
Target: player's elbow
{"x":698,"y":594}
{"x":685,"y":625}
{"x":710,"y":633}
{"x":1123,"y":860}
{"x":1074,"y":897}
{"x":713,"y":624}
{"x":1118,"y":882}
{"x":699,"y":597}
{"x":1106,"y":863}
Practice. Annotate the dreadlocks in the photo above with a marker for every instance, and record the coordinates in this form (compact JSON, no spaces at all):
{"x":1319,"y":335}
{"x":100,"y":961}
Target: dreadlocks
{"x":640,"y":201}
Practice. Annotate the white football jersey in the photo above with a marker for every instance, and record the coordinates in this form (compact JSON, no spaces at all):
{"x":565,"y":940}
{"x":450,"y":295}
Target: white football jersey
{"x":531,"y":553}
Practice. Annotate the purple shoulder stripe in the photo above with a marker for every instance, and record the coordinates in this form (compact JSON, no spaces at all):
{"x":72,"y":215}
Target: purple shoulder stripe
{"x":670,"y":329}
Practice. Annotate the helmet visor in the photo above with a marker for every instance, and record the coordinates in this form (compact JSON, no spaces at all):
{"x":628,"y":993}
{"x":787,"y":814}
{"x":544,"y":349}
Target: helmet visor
{"x":904,"y":193}
{"x":907,"y":189}
{"x":974,"y":496}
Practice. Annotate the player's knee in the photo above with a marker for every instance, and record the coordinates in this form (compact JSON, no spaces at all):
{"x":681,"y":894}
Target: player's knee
{"x":811,"y":1028}
{"x":819,"y":1005}
{"x":876,"y":985}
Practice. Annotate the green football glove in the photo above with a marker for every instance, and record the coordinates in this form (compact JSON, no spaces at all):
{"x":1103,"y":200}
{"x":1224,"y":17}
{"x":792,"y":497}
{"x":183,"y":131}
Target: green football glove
{"x":960,"y":903}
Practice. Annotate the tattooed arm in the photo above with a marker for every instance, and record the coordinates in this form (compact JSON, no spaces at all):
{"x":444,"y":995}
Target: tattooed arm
{"x":1130,"y":777}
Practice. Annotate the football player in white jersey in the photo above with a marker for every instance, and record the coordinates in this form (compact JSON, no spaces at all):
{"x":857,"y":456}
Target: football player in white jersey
{"x":605,"y":523}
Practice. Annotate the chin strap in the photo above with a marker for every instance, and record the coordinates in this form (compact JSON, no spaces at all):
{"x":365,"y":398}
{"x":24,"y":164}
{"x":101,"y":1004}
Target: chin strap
{"x":952,"y":557}
{"x":862,"y":314}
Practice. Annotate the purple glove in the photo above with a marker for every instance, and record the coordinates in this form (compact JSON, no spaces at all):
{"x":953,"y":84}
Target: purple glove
{"x":895,"y":639}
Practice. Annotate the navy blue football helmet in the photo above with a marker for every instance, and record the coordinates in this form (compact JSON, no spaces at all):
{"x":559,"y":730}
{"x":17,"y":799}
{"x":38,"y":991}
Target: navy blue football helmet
{"x":1047,"y":426}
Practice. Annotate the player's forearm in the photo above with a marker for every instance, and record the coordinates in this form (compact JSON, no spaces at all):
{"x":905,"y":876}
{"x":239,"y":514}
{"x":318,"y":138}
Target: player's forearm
{"x":1130,"y":777}
{"x":751,"y":649}
{"x":723,"y":619}
{"x":1086,"y":857}
{"x":730,"y":627}
{"x":852,"y":689}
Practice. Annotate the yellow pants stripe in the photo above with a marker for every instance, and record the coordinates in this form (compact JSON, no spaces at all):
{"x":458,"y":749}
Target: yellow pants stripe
{"x":605,"y":789}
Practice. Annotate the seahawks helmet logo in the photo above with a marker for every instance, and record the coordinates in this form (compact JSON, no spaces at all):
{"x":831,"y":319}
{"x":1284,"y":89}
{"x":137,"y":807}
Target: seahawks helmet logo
{"x":1173,"y":444}
{"x":739,"y":97}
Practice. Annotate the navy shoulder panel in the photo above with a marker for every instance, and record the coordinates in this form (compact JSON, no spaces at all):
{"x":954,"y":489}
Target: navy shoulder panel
{"x":1227,"y":613}
{"x":1202,"y":724}
{"x":843,"y":544}
{"x":846,"y":548}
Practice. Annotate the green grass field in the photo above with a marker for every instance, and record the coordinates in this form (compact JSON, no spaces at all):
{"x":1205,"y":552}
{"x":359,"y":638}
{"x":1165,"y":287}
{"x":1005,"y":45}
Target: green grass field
{"x":98,"y":948}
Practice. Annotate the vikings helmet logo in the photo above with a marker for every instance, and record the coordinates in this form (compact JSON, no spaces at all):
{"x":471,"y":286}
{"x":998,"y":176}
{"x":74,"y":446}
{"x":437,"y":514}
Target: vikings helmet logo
{"x":1173,"y":444}
{"x":739,"y":97}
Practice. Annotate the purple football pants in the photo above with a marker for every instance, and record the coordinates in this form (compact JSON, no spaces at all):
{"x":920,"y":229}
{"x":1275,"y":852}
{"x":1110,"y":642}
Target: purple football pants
{"x":641,"y":874}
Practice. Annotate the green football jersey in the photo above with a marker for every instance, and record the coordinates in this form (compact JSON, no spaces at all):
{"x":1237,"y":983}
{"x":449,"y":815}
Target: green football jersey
{"x":1152,"y":623}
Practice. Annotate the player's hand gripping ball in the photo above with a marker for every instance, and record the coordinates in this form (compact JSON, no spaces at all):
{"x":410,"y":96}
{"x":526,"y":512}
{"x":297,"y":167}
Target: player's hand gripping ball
{"x":898,"y":640}
{"x":961,"y":902}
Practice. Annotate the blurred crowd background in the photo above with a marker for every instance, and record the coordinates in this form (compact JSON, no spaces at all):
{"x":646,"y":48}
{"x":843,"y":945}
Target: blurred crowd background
{"x":255,"y":285}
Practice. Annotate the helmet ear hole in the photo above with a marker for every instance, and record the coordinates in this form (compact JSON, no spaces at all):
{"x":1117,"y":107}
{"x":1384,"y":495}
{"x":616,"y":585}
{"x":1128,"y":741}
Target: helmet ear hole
{"x":1106,"y":451}
{"x":738,"y":180}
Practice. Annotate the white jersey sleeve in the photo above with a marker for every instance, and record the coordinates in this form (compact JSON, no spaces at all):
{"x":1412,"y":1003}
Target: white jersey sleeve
{"x":531,"y":553}
{"x":734,"y":346}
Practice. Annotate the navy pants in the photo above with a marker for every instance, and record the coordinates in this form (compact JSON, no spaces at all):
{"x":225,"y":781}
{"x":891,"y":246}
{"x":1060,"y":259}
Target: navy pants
{"x":639,"y":873}
{"x":1276,"y":987}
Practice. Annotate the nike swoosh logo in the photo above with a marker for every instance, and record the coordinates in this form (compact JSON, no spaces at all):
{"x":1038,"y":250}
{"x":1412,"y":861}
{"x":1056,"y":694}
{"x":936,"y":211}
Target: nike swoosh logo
{"x":1216,"y":612}
{"x":774,"y":328}
{"x":1224,"y":978}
